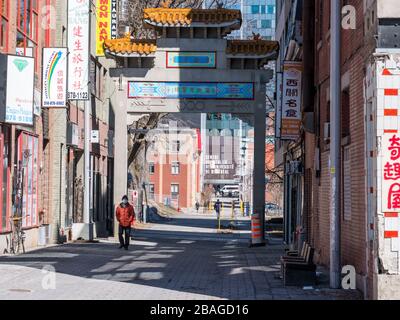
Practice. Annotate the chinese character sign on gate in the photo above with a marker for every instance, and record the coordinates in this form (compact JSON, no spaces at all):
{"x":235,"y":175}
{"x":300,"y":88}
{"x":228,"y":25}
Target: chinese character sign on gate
{"x":291,"y":101}
{"x":78,"y":46}
{"x":391,"y":173}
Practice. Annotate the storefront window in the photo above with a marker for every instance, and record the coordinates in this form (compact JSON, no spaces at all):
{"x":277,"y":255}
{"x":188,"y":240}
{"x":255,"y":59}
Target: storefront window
{"x":4,"y":178}
{"x":28,"y":147}
{"x":27,"y":34}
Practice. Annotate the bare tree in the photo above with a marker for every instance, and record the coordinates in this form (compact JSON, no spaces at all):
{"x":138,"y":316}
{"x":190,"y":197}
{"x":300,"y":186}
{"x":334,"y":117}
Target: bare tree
{"x":133,"y":12}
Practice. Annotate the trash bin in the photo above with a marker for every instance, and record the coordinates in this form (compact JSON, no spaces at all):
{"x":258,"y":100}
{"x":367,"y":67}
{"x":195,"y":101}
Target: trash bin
{"x":44,"y":235}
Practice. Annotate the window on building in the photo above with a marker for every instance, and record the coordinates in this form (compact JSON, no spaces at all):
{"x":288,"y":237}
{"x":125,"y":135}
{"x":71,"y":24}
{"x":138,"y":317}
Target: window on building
{"x":271,"y":9}
{"x":345,"y":113}
{"x":92,"y":78}
{"x":266,"y":24}
{"x":152,"y":168}
{"x":321,"y":19}
{"x":175,"y":167}
{"x":262,"y":9}
{"x":175,"y":146}
{"x":151,"y":191}
{"x":97,"y":75}
{"x":174,"y":190}
{"x":28,"y":153}
{"x":4,"y":14}
{"x":255,"y":9}
{"x":4,"y":178}
{"x":346,"y":184}
{"x":27,"y":27}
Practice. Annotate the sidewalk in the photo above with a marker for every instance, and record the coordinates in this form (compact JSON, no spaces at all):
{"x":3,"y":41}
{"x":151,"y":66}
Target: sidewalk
{"x":157,"y":268}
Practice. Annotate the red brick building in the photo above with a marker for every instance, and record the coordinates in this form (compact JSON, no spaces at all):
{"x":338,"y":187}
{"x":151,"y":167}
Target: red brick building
{"x":368,"y":237}
{"x":353,"y":195}
{"x":174,"y":168}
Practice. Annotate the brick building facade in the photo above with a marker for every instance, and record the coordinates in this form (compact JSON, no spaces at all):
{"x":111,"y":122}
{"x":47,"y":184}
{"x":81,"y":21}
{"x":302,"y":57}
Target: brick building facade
{"x":364,"y":240}
{"x":56,"y":137}
{"x":174,"y":167}
{"x":353,"y":219}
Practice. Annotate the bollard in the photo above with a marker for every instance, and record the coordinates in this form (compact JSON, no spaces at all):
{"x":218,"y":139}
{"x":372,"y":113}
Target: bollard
{"x":256,"y":231}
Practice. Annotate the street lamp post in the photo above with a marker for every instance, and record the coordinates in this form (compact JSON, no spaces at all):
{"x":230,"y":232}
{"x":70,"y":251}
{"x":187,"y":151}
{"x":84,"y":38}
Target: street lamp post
{"x":335,"y":147}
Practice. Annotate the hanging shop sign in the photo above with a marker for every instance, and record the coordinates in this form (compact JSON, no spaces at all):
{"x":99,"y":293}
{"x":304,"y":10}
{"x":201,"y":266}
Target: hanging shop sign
{"x":54,"y":77}
{"x":114,"y":19}
{"x":103,"y":25}
{"x":17,"y":89}
{"x":191,"y":90}
{"x":291,"y":100}
{"x":78,"y":47}
{"x":191,"y":60}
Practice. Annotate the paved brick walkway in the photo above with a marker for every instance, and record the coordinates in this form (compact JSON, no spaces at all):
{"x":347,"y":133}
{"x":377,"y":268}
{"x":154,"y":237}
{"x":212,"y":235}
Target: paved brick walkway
{"x":155,"y":267}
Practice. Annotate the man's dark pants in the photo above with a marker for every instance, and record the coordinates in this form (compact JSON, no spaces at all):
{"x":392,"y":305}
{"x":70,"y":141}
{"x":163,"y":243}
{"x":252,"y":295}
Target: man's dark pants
{"x":124,"y":231}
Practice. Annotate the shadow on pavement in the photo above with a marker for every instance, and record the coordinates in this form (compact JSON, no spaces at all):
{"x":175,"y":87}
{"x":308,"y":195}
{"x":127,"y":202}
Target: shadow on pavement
{"x":218,"y":269}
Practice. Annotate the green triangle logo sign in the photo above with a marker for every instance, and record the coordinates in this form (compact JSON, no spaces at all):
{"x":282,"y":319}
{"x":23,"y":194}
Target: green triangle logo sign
{"x":20,"y":64}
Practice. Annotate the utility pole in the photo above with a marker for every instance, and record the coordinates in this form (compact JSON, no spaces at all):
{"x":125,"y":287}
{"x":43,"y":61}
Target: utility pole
{"x":335,"y":145}
{"x":88,"y":108}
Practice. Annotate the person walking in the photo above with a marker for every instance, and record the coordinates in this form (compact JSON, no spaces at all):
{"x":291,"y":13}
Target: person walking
{"x":217,"y":208}
{"x":197,"y":206}
{"x":125,"y":216}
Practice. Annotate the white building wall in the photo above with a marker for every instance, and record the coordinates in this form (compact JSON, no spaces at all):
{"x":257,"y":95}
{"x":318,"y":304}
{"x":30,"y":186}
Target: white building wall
{"x":382,"y":95}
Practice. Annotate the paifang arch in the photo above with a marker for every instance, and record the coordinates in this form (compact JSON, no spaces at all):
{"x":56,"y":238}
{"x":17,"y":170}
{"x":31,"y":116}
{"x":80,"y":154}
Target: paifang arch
{"x":192,"y":67}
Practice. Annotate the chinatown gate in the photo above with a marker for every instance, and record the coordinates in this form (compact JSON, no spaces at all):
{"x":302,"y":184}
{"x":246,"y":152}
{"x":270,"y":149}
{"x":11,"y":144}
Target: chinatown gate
{"x":192,"y":68}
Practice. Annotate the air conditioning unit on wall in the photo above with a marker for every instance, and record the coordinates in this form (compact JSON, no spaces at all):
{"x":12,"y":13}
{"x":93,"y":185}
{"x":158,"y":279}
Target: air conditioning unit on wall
{"x":72,"y":134}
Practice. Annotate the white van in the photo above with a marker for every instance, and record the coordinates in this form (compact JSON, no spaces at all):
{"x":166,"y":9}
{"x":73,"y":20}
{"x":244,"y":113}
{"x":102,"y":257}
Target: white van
{"x":229,"y":191}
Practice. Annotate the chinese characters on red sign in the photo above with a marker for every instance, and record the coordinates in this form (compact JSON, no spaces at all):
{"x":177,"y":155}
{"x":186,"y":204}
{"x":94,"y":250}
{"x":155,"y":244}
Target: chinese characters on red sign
{"x":391,"y":171}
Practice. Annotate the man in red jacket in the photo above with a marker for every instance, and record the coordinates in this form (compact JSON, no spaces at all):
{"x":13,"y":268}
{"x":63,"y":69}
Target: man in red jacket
{"x":125,"y":216}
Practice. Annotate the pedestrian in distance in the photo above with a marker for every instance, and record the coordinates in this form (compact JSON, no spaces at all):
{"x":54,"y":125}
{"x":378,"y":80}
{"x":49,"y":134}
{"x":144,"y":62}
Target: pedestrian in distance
{"x":197,"y":206}
{"x":126,"y":216}
{"x":217,"y":208}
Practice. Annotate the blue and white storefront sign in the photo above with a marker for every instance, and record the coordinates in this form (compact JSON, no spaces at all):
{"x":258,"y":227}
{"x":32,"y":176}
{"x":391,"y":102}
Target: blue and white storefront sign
{"x":192,"y":90}
{"x":191,"y":60}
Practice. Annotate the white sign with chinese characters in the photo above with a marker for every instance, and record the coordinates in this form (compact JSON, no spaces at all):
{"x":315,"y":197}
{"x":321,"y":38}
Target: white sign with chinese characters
{"x":291,"y":100}
{"x":78,"y":46}
{"x":54,"y":77}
